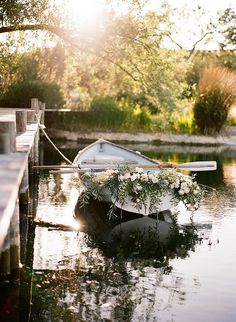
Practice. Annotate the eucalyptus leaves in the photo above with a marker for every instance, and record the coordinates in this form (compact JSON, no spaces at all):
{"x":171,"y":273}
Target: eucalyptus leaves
{"x":142,"y":188}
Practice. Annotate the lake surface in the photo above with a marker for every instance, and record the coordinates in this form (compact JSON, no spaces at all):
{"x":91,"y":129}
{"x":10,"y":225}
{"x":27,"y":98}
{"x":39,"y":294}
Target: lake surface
{"x":75,"y":278}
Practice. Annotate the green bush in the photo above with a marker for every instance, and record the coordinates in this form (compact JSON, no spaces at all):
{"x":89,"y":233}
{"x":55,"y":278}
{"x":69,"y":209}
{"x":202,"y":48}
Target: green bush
{"x":141,"y":118}
{"x":20,"y":94}
{"x":139,"y":99}
{"x":104,"y":104}
{"x":184,"y":122}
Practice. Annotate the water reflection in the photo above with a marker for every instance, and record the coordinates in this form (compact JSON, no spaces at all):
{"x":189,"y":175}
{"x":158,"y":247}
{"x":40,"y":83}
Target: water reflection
{"x":94,"y":274}
{"x":129,"y":236}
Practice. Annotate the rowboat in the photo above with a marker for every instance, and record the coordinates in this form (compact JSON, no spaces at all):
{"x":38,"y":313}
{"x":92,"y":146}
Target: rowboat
{"x":102,"y":155}
{"x":104,"y":159}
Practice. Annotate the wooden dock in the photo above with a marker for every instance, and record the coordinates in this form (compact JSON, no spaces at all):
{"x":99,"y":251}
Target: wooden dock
{"x":14,"y":169}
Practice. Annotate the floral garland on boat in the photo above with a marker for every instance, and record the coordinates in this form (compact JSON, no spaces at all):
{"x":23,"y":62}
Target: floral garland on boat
{"x":139,"y":186}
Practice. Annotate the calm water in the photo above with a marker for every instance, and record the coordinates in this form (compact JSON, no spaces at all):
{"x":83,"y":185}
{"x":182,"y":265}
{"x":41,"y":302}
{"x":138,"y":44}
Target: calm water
{"x":76,"y":278}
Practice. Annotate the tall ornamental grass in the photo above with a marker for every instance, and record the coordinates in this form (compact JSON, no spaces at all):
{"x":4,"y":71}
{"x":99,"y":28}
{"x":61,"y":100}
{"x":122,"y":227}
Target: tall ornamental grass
{"x":216,"y":95}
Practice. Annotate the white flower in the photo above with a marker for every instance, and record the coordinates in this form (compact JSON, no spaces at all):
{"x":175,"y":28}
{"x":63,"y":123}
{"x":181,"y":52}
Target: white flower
{"x":150,"y":176}
{"x":127,"y":175}
{"x":154,"y":179}
{"x":110,"y":172}
{"x":139,"y":170}
{"x":181,"y":192}
{"x":184,"y":185}
{"x":144,"y":177}
{"x":138,"y":187}
{"x":176,"y":184}
{"x":186,"y":190}
{"x":135,"y":176}
{"x":121,"y":177}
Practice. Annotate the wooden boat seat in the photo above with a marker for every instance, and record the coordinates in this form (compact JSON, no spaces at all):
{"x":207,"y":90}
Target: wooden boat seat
{"x":108,"y":159}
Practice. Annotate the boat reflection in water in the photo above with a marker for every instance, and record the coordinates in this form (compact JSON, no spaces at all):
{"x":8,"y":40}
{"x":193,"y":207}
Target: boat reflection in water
{"x":129,"y":235}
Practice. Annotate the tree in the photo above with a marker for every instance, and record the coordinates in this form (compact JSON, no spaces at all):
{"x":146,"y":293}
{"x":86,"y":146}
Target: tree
{"x":20,"y":94}
{"x":228,"y":24}
{"x":125,"y":57}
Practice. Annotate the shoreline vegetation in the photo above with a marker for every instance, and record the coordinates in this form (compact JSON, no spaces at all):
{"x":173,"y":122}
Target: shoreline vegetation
{"x":227,"y":138}
{"x":75,"y":125}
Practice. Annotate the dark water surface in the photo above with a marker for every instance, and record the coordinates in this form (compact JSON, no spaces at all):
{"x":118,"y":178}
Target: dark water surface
{"x":75,"y":276}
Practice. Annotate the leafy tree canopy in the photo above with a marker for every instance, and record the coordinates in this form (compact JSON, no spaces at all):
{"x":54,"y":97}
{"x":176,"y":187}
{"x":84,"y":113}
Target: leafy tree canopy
{"x":124,"y":57}
{"x":228,"y":24}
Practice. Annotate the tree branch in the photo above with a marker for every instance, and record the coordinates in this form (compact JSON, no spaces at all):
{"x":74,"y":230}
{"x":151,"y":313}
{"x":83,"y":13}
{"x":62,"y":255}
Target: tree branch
{"x":56,"y":30}
{"x":175,"y":42}
{"x":198,"y":41}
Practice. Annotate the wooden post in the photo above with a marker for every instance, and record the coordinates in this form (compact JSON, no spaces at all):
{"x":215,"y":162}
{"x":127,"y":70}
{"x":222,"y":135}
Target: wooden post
{"x":24,"y":188}
{"x":4,"y":143}
{"x":34,"y":104}
{"x":43,"y":107}
{"x":21,"y":120}
{"x":5,"y":258}
{"x":36,"y":149}
{"x":15,"y":239}
{"x":31,"y":118}
{"x":24,"y":231}
{"x":10,"y":128}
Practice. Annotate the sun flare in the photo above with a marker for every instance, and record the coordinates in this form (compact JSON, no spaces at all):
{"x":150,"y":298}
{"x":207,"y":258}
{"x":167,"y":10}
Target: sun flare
{"x":86,"y":13}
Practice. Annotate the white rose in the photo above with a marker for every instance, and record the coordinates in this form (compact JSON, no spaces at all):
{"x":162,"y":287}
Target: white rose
{"x":144,"y":177}
{"x":139,"y":170}
{"x":138,"y":187}
{"x":154,"y":179}
{"x":186,"y":190}
{"x":184,"y":185}
{"x":176,"y":184}
{"x":150,"y":177}
{"x":127,"y":175}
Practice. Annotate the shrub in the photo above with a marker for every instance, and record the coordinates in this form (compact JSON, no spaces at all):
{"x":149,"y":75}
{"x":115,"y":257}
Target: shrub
{"x":216,"y":94}
{"x":142,"y":118}
{"x":184,"y":122}
{"x":106,"y":113}
{"x":20,"y":94}
{"x":142,"y":100}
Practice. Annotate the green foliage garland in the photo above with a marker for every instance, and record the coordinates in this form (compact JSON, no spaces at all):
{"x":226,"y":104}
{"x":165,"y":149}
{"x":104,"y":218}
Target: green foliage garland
{"x":144,"y":189}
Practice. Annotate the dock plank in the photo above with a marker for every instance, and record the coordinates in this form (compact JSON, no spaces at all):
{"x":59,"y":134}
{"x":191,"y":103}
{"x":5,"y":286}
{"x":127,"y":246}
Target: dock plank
{"x":12,"y":168}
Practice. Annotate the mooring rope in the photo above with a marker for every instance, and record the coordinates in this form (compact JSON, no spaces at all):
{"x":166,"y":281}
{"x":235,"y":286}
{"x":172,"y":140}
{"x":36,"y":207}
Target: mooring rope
{"x":48,"y":138}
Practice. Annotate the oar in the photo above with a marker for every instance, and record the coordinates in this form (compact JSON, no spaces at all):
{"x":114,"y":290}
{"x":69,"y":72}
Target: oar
{"x":190,"y":166}
{"x":55,"y":166}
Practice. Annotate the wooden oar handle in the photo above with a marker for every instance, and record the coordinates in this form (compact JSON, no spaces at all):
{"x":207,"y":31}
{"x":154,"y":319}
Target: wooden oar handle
{"x":157,"y":166}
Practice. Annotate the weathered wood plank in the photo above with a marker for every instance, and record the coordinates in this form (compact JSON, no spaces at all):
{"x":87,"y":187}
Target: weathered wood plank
{"x":12,"y":168}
